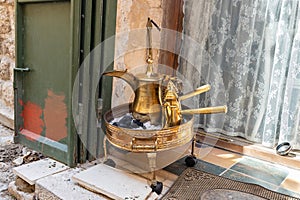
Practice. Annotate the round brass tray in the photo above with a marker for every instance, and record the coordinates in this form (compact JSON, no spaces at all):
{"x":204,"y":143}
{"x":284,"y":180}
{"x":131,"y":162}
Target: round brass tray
{"x":146,"y":140}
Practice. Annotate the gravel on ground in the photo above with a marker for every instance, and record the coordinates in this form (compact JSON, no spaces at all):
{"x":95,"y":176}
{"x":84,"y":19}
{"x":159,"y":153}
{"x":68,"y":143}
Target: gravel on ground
{"x":12,"y":155}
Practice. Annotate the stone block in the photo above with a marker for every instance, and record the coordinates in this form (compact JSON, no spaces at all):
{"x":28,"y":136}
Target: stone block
{"x":7,"y":46}
{"x":6,"y":114}
{"x":10,"y":1}
{"x":5,"y":26}
{"x":18,"y":194}
{"x":138,"y":14}
{"x":5,"y":71}
{"x":8,"y":93}
{"x":60,"y":186}
{"x":24,"y":186}
{"x":31,"y":172}
{"x":154,"y":3}
{"x":113,"y":183}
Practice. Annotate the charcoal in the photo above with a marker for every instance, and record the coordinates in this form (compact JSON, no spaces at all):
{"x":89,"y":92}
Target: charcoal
{"x":133,"y":125}
{"x":125,"y":122}
{"x":139,"y":123}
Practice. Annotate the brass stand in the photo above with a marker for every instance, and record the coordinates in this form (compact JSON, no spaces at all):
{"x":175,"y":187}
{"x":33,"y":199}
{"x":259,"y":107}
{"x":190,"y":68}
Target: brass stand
{"x":191,"y":160}
{"x":156,"y":100}
{"x":156,"y":186}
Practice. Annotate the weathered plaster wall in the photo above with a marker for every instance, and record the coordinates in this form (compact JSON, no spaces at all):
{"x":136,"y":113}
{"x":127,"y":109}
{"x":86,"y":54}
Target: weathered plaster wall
{"x":132,"y":16}
{"x":7,"y":57}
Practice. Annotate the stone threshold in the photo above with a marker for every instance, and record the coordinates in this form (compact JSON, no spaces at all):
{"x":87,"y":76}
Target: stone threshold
{"x":54,"y":180}
{"x":244,"y":147}
{"x":6,"y":119}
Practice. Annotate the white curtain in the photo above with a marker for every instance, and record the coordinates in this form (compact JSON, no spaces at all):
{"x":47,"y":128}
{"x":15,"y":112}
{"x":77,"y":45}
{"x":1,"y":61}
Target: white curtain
{"x":250,"y":55}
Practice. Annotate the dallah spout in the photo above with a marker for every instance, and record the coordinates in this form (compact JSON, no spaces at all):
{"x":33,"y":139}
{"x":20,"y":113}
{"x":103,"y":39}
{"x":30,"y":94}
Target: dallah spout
{"x":126,"y":76}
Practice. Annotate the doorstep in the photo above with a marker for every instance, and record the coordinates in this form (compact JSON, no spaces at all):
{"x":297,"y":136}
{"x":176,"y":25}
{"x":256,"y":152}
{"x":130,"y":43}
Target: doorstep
{"x":51,"y":180}
{"x":34,"y":171}
{"x":84,"y":182}
{"x":244,"y":147}
{"x":117,"y":184}
{"x":6,"y":117}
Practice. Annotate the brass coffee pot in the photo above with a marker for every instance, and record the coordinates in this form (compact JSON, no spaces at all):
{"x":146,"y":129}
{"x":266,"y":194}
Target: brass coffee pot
{"x":146,"y":86}
{"x":172,"y":110}
{"x":156,"y":95}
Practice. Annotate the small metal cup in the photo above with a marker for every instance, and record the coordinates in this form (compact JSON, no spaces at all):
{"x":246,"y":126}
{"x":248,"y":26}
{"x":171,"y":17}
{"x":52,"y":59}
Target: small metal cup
{"x":283,"y":148}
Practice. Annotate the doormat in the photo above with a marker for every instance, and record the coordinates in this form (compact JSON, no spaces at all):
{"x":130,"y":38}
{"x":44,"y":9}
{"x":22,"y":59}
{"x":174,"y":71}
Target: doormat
{"x":195,"y":184}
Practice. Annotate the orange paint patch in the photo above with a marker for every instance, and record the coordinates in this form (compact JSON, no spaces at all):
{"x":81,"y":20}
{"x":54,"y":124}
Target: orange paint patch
{"x":31,"y":115}
{"x":55,"y":114}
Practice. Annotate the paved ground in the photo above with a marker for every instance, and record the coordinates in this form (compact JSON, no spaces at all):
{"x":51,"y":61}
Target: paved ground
{"x":8,"y":152}
{"x":12,"y":155}
{"x":6,"y":135}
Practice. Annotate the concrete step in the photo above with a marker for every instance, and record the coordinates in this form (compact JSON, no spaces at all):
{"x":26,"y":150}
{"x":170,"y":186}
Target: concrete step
{"x":34,"y":171}
{"x":93,"y":181}
{"x":114,"y":183}
{"x":61,"y":187}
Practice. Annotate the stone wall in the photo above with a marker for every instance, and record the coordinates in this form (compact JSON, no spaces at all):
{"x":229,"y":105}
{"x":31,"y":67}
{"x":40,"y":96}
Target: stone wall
{"x":132,"y":17}
{"x":7,"y":59}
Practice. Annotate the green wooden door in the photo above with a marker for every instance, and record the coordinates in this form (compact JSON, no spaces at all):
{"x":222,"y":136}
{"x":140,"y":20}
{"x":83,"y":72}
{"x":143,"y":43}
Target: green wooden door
{"x":52,"y":39}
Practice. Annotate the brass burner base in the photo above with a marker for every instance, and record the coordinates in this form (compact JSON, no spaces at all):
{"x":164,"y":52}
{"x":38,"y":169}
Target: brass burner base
{"x":146,"y":140}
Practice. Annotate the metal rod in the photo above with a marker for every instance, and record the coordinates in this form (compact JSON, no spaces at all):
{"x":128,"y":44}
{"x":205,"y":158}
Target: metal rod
{"x":197,"y":91}
{"x":105,"y":148}
{"x":193,"y":146}
{"x":149,"y":58}
{"x":152,"y":165}
{"x":155,"y":24}
{"x":208,"y":110}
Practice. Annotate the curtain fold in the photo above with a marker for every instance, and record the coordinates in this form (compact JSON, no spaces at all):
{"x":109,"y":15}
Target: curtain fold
{"x":248,"y":51}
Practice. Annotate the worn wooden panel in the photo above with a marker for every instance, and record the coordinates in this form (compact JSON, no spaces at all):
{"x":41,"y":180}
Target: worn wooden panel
{"x":172,"y":19}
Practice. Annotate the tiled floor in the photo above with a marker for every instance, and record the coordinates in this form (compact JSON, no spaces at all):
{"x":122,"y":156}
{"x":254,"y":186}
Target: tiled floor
{"x":210,"y":159}
{"x":243,"y":168}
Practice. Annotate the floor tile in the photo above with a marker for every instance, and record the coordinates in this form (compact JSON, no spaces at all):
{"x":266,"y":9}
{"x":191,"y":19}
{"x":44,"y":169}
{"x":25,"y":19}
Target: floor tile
{"x":63,"y":187}
{"x":268,"y":172}
{"x":233,"y":175}
{"x":36,"y":170}
{"x":179,"y":166}
{"x":292,"y":181}
{"x":208,"y":167}
{"x":219,"y":157}
{"x":113,"y":183}
{"x":288,"y":192}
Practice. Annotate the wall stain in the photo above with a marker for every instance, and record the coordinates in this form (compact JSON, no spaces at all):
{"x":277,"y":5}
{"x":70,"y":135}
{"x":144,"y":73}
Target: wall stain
{"x":55,"y":114}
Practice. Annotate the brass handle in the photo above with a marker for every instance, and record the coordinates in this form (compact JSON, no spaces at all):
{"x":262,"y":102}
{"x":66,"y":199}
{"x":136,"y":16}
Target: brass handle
{"x":142,"y":144}
{"x":197,"y":91}
{"x":208,"y":110}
